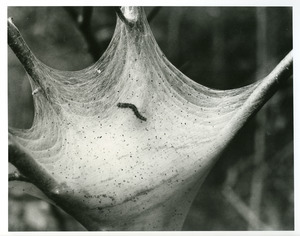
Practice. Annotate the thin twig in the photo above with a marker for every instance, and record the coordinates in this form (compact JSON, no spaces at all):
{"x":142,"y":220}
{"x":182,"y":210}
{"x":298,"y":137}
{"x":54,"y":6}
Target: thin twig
{"x":153,"y":13}
{"x":122,"y":17}
{"x":259,"y":172}
{"x":83,"y":24}
{"x":15,"y":176}
{"x":87,"y":13}
{"x":242,"y":208}
{"x":237,"y":203}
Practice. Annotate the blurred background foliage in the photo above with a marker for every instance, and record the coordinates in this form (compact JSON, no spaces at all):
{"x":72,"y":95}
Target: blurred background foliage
{"x":251,"y":186}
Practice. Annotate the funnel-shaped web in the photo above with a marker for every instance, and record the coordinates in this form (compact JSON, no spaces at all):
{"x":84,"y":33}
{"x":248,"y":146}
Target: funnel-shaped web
{"x":102,"y":163}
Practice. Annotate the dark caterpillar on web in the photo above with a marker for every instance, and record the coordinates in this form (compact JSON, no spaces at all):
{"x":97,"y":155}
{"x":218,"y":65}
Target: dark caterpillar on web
{"x":133,"y":108}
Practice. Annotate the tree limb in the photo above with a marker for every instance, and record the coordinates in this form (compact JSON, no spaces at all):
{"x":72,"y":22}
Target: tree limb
{"x":242,"y":208}
{"x":83,"y":24}
{"x":122,"y":17}
{"x":87,"y":13}
{"x":262,"y":93}
{"x":236,"y":202}
{"x":30,"y":167}
{"x":259,"y":172}
{"x":15,"y":176}
{"x":22,"y":51}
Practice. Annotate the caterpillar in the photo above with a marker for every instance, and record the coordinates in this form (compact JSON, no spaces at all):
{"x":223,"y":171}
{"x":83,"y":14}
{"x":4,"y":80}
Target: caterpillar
{"x":133,"y":108}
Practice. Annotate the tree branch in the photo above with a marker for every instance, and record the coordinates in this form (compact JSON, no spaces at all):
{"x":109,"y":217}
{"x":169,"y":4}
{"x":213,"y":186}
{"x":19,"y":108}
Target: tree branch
{"x":262,"y":93}
{"x":237,"y":203}
{"x":282,"y":72}
{"x":15,"y":176}
{"x":121,"y":16}
{"x":87,"y":13}
{"x":22,"y":51}
{"x":83,"y":24}
{"x":30,"y":167}
{"x":131,"y":16}
{"x":251,"y":218}
{"x":259,"y":172}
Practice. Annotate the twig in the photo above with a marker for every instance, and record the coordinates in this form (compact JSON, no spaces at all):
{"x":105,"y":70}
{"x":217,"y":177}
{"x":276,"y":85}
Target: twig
{"x":242,"y":208}
{"x":22,"y":51}
{"x":173,"y":35}
{"x":153,"y":13}
{"x":87,"y":13}
{"x":122,"y":17}
{"x":37,"y":174}
{"x":258,"y":174}
{"x":237,"y":203}
{"x":262,"y":93}
{"x":17,"y":177}
{"x":83,"y":24}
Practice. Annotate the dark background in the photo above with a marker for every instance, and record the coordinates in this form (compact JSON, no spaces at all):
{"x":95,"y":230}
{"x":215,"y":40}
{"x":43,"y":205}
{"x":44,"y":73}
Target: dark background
{"x":251,"y":186}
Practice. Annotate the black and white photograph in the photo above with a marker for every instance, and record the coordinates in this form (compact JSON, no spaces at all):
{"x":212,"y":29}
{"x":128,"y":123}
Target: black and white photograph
{"x":150,"y":118}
